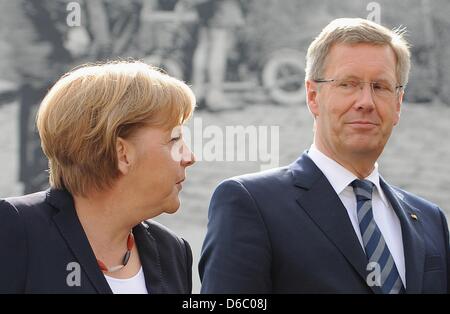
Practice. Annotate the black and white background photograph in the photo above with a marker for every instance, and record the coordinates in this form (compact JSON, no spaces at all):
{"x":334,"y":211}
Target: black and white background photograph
{"x":245,"y":62}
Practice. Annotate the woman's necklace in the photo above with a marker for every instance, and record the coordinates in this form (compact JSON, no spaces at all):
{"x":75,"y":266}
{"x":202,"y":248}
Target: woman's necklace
{"x":126,"y":258}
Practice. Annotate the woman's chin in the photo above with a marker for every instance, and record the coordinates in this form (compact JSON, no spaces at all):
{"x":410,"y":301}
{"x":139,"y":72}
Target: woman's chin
{"x":172,"y":207}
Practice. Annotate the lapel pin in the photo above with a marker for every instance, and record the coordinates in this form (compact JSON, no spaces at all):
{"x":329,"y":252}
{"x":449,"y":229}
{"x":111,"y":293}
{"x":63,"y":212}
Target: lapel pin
{"x":414,"y":216}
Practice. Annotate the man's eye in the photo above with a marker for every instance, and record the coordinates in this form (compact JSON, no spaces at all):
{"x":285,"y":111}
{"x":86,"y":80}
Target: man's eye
{"x":381,"y":87}
{"x":175,"y":139}
{"x":348,"y":84}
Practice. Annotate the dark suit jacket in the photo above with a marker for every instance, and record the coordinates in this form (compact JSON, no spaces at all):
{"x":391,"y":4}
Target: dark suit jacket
{"x":286,"y":231}
{"x":40,"y":235}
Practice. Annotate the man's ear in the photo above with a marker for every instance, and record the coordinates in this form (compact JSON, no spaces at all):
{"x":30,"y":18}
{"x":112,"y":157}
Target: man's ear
{"x":398,"y":107}
{"x":125,"y":155}
{"x":311,"y":96}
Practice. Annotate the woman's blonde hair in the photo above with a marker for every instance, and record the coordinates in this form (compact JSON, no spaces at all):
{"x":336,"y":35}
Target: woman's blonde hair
{"x":354,"y":31}
{"x":85,"y":112}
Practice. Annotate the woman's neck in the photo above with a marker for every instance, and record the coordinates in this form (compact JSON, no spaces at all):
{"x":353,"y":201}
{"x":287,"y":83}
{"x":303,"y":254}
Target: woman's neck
{"x":107,"y":225}
{"x":107,"y":222}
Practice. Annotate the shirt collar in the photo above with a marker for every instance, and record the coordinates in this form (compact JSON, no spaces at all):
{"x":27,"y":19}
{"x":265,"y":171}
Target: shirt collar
{"x":340,"y":177}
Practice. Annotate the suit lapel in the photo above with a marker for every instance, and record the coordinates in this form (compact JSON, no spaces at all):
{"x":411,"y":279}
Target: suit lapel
{"x":319,"y":200}
{"x":150,"y":259}
{"x":412,"y":234}
{"x":70,"y":228}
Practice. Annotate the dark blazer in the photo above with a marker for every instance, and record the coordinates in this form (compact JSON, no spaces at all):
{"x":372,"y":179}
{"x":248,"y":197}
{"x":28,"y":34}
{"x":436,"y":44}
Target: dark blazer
{"x":286,"y":231}
{"x":40,"y":235}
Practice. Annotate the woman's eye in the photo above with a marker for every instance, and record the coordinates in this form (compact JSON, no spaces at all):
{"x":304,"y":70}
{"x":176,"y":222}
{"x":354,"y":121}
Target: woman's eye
{"x":175,"y":139}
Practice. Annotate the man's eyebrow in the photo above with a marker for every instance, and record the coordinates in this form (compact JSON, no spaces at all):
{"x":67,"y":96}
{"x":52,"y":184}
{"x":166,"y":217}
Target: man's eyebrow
{"x":376,"y":80}
{"x":383,"y":80}
{"x":350,"y":77}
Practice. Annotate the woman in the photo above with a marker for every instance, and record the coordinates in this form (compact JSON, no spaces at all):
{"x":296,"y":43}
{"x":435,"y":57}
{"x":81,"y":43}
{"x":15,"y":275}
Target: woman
{"x":112,"y":134}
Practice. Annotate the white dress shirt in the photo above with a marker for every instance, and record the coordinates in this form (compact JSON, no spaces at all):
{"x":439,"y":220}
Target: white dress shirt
{"x":133,"y":285}
{"x":383,"y":213}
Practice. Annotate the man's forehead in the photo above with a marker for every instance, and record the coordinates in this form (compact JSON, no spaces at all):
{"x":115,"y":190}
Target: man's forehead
{"x":344,"y":50}
{"x":349,"y":59}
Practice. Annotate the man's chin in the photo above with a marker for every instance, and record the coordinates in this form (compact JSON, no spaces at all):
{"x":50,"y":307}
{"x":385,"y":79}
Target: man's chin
{"x":364,"y":148}
{"x":363,"y":145}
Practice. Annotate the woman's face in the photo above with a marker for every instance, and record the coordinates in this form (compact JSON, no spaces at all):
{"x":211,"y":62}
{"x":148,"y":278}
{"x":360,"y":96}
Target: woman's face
{"x":153,"y":161}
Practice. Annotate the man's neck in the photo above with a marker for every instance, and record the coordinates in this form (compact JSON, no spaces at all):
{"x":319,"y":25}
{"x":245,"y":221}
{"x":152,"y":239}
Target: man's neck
{"x":360,"y":165}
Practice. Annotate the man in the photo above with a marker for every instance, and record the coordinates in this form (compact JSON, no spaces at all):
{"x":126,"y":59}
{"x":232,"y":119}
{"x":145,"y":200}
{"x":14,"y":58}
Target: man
{"x":329,"y":223}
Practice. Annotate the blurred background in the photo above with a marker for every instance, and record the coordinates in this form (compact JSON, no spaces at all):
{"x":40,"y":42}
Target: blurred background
{"x":245,"y":61}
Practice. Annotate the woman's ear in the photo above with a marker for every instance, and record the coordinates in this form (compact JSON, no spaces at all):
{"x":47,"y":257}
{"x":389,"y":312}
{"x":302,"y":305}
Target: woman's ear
{"x":125,"y":155}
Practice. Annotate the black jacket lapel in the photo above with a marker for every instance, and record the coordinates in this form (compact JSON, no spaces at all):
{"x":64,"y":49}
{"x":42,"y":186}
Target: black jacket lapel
{"x":149,"y":255}
{"x":70,"y":228}
{"x":412,"y":234}
{"x":322,"y":204}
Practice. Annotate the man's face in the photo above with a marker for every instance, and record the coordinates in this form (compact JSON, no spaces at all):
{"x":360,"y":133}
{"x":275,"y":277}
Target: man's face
{"x":357,"y":123}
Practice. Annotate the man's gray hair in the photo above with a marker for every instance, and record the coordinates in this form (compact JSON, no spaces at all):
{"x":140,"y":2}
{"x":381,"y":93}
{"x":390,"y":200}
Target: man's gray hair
{"x":354,"y":31}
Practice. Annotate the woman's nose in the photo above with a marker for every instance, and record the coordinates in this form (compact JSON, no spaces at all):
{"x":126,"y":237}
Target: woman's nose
{"x":188,"y":157}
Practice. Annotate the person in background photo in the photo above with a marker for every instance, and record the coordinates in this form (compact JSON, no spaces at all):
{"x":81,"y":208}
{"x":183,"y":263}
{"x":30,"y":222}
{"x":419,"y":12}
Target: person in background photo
{"x":112,"y":134}
{"x":329,"y":222}
{"x":218,"y":22}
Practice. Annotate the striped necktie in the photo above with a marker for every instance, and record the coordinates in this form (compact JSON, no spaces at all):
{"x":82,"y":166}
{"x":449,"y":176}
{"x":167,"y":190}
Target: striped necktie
{"x":377,"y":251}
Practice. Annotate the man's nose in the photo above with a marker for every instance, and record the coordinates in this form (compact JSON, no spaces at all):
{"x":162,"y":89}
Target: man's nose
{"x":365,"y":96}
